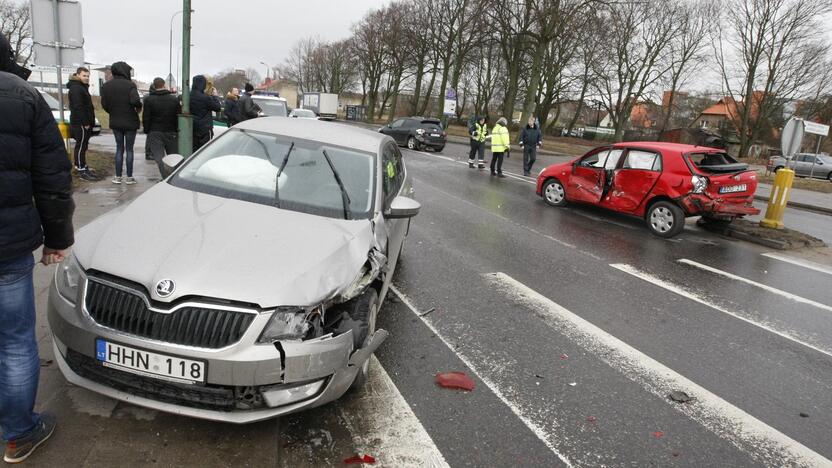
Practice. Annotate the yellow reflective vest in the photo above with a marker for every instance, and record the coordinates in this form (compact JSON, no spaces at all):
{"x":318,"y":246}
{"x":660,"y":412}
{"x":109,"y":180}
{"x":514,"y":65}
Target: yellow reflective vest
{"x":500,"y":139}
{"x":480,"y":131}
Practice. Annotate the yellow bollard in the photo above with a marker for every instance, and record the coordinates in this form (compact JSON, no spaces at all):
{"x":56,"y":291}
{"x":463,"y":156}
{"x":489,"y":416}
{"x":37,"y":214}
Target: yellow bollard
{"x":64,"y":128}
{"x":779,"y":197}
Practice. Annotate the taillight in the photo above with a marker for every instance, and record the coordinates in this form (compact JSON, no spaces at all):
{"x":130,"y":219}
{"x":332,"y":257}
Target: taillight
{"x":444,"y":134}
{"x":700,"y":183}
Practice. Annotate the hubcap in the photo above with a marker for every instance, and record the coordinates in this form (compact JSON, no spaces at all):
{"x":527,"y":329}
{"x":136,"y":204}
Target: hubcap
{"x":411,"y":143}
{"x":554,"y":193}
{"x":661,"y":219}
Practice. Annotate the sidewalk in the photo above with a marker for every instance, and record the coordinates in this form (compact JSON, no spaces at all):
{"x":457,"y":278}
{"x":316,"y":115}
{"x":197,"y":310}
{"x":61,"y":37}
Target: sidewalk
{"x":802,"y":199}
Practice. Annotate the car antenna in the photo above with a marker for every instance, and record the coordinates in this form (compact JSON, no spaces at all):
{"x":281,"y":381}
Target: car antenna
{"x":279,"y":173}
{"x":345,"y":197}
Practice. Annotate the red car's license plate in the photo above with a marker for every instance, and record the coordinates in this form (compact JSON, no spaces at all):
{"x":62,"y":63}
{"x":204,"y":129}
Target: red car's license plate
{"x":733,"y":188}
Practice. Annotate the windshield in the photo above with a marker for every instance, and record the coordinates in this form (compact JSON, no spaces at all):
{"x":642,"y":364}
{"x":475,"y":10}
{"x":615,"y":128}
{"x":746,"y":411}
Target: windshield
{"x":243,"y":165}
{"x":303,"y":113}
{"x":272,"y":107}
{"x":51,"y":101}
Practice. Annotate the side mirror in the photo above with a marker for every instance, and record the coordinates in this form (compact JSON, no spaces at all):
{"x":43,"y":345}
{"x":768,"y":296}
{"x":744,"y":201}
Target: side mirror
{"x":173,"y":160}
{"x":403,"y":207}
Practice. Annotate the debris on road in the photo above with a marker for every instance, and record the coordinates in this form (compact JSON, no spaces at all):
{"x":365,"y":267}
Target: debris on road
{"x":427,"y":312}
{"x":564,"y":356}
{"x":658,"y":434}
{"x":680,"y":397}
{"x":804,"y":415}
{"x":455,"y":380}
{"x":538,"y":376}
{"x":572,"y":384}
{"x":591,"y":419}
{"x":360,"y":460}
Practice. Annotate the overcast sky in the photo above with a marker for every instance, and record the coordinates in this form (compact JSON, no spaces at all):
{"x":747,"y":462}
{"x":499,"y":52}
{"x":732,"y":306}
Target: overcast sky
{"x":225,"y":34}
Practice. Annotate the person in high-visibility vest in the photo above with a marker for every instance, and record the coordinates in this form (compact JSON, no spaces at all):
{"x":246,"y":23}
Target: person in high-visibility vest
{"x":500,"y":146}
{"x":478,"y":132}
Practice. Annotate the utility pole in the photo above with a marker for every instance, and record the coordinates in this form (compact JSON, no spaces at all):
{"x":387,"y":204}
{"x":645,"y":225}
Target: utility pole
{"x":186,"y":122}
{"x":63,"y":124}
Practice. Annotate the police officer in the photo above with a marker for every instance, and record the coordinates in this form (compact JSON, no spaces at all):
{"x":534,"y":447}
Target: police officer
{"x":478,"y":131}
{"x":500,"y":146}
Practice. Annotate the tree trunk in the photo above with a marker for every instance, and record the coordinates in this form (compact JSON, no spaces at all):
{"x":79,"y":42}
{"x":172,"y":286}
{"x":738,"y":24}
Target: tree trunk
{"x":511,"y":88}
{"x":417,"y":89}
{"x":579,"y":107}
{"x":428,"y":92}
{"x":529,"y":103}
{"x":440,"y":101}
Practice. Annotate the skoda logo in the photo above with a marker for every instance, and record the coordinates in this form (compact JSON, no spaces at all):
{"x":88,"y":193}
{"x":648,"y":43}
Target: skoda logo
{"x":165,"y":288}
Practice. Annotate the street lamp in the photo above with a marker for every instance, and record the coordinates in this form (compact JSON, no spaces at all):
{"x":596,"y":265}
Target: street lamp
{"x":170,"y":48}
{"x":268,"y":68}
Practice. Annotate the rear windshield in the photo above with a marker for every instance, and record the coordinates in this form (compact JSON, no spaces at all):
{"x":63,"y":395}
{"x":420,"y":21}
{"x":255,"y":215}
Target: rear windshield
{"x":715,"y":162}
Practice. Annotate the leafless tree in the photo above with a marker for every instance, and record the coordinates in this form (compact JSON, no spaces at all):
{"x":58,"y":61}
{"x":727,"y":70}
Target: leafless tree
{"x":16,"y":25}
{"x":370,"y":52}
{"x":767,"y":51}
{"x":227,"y":79}
{"x":510,"y":22}
{"x":297,"y":66}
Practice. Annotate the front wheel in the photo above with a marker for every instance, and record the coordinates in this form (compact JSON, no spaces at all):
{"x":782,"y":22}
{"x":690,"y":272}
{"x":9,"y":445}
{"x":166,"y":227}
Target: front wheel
{"x":411,"y":143}
{"x":665,"y":219}
{"x":554,"y":193}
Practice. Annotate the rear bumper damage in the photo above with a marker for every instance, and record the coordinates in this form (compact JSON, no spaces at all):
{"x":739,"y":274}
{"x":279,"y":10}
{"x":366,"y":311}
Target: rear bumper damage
{"x":696,"y":204}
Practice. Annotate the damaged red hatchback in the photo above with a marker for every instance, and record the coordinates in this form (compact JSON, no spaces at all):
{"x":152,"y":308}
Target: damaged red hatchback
{"x":663,"y":183}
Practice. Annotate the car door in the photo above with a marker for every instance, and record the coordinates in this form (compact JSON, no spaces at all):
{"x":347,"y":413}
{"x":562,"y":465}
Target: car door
{"x":394,"y":183}
{"x":394,"y":130}
{"x":588,"y":182}
{"x":803,"y":164}
{"x":634,"y":180}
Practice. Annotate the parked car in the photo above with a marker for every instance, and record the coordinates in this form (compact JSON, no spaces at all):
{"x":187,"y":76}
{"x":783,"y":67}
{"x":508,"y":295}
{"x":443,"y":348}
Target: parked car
{"x":660,"y":182}
{"x":303,"y":114}
{"x":417,"y":133}
{"x":802,"y":163}
{"x":56,"y":112}
{"x":255,"y":290}
{"x":271,"y":106}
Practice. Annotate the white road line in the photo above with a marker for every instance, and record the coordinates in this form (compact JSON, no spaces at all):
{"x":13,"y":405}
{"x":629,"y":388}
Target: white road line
{"x":689,"y":295}
{"x":765,"y":287}
{"x":799,"y":262}
{"x":537,"y":430}
{"x":763,"y":443}
{"x":511,"y":175}
{"x":390,"y":432}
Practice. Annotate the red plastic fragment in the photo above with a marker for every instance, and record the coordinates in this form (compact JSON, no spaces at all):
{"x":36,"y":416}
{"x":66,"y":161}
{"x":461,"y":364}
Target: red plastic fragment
{"x":591,"y":419}
{"x":455,"y":380}
{"x":658,"y":434}
{"x":359,"y":460}
{"x":564,"y":356}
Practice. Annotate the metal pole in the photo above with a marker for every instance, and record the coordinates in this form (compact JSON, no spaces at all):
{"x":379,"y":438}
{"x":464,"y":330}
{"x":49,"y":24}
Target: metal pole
{"x":170,"y":48}
{"x":57,"y":24}
{"x":186,"y":134}
{"x":815,"y":159}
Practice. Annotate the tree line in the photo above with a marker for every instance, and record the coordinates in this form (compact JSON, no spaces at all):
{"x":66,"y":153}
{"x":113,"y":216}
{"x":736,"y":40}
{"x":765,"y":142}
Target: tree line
{"x":533,"y":55}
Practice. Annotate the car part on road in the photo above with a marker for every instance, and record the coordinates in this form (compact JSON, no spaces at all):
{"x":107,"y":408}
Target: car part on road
{"x":455,"y":380}
{"x":665,"y":219}
{"x":360,"y":460}
{"x":553,"y":193}
{"x":680,"y":397}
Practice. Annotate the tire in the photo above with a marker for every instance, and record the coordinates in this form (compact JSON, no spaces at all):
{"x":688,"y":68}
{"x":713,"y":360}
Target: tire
{"x":411,"y":143}
{"x":364,"y":308}
{"x":665,"y":219}
{"x":553,"y":193}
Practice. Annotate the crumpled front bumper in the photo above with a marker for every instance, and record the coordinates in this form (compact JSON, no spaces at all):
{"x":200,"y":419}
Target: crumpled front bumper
{"x":696,"y":204}
{"x":252,"y":381}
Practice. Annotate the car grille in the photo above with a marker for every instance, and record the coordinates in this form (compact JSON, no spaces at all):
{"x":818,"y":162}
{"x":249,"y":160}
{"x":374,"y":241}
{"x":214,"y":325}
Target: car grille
{"x":211,"y":397}
{"x":192,"y":326}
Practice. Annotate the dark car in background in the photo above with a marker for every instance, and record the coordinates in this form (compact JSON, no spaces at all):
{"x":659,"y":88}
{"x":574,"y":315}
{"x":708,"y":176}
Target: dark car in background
{"x":417,"y":133}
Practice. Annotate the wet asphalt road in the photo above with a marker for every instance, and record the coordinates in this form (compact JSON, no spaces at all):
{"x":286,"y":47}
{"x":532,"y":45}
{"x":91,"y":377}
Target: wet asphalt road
{"x":575,"y":325}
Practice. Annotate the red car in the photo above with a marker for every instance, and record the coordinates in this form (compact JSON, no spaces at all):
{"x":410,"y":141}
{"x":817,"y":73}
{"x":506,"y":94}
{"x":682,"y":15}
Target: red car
{"x":660,"y":182}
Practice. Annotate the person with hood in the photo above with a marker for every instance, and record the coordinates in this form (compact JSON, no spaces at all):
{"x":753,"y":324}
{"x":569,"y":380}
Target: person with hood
{"x":478,"y":130}
{"x":248,"y":108}
{"x":232,"y":107}
{"x":530,"y":140}
{"x":81,"y":120}
{"x":160,"y":119}
{"x":202,"y":108}
{"x":35,"y":209}
{"x":500,"y":146}
{"x":120,"y":98}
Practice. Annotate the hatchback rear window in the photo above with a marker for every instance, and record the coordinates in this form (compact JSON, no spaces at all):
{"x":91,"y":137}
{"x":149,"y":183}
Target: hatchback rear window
{"x":715,"y":162}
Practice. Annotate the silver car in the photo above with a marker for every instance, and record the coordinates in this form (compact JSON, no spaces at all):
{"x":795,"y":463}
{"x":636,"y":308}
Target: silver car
{"x":817,"y":166}
{"x":247,"y":284}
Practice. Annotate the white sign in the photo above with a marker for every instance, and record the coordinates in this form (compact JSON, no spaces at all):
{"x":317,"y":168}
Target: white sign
{"x":44,"y":37}
{"x":450,"y":107}
{"x":792,"y":137}
{"x":815,"y":128}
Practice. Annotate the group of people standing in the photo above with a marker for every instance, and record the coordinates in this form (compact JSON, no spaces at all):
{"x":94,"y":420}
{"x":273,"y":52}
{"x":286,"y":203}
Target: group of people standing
{"x":530,"y":140}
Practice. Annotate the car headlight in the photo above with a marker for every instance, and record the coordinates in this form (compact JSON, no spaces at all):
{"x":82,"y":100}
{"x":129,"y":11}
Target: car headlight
{"x":700,"y":183}
{"x":69,"y":277}
{"x":289,"y":323}
{"x":420,"y":131}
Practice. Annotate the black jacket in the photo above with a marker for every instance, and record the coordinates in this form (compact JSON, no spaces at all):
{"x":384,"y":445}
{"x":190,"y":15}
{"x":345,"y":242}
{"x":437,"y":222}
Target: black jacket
{"x":35,"y":183}
{"x":161,"y":111}
{"x":81,"y":109}
{"x":530,"y":136}
{"x":202,"y":106}
{"x":120,"y":98}
{"x":248,"y":108}
{"x":232,"y":110}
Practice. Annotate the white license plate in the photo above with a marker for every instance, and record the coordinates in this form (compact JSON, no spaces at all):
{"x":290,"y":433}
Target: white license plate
{"x":733,"y":188}
{"x":155,"y":365}
{"x":435,"y":135}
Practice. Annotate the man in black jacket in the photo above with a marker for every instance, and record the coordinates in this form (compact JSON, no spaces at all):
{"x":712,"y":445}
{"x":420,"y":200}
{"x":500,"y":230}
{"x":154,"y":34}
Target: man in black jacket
{"x":530,"y":140}
{"x":231,"y":111}
{"x":202,"y":108}
{"x":120,"y":98}
{"x":35,"y":209}
{"x":248,"y":108}
{"x":81,"y":119}
{"x":160,"y":120}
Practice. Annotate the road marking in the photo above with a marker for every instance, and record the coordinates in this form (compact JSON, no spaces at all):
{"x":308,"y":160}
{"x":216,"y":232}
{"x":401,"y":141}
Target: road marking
{"x":689,"y":295}
{"x":537,"y":430}
{"x":392,"y":433}
{"x":760,"y":441}
{"x":511,"y":175}
{"x":765,"y":287}
{"x":799,"y":262}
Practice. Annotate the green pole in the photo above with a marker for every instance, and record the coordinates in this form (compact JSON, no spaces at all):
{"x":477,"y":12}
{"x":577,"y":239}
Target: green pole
{"x":186,"y":122}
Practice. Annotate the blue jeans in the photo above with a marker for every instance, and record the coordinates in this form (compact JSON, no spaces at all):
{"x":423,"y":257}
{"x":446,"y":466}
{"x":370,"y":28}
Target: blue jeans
{"x":124,"y":144}
{"x":19,"y":363}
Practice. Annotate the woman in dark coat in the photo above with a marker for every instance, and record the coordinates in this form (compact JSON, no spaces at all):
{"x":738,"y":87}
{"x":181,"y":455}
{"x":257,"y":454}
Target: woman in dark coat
{"x":120,"y":98}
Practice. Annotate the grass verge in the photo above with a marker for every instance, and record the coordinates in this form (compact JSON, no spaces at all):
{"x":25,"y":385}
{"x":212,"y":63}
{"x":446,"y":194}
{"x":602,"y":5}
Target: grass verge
{"x":815,"y":185}
{"x":100,"y":162}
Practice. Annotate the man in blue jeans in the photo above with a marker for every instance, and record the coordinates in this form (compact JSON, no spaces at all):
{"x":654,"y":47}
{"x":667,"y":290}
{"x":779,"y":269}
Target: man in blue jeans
{"x":35,"y":209}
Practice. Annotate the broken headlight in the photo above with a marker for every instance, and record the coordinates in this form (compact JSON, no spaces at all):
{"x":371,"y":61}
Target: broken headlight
{"x":68,"y":278}
{"x":291,"y":323}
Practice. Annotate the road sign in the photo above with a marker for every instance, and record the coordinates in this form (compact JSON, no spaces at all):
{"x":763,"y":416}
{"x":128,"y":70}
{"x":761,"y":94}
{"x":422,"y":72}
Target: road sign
{"x":450,"y":107}
{"x":815,"y":128}
{"x":57,"y":41}
{"x":450,"y":93}
{"x":791,"y":137}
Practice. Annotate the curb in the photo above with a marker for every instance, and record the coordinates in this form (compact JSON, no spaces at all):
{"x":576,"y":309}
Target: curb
{"x":801,"y":206}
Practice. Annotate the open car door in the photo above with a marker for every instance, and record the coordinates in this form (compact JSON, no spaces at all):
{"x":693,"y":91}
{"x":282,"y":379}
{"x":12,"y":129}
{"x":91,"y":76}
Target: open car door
{"x":588,"y":182}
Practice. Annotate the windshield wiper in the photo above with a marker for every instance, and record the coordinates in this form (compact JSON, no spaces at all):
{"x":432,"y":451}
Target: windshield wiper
{"x":345,"y":198}
{"x":279,"y":172}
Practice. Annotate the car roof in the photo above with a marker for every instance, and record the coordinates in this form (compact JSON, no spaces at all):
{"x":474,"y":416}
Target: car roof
{"x":316,"y":130}
{"x":664,"y":146}
{"x":267,"y":97}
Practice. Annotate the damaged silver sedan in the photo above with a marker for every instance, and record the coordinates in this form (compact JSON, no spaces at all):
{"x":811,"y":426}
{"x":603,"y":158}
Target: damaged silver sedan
{"x":247,"y":284}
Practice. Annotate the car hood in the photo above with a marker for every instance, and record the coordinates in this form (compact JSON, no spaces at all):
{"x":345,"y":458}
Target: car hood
{"x":226,"y":249}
